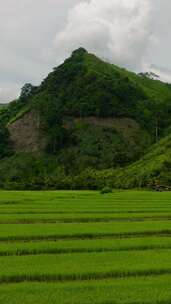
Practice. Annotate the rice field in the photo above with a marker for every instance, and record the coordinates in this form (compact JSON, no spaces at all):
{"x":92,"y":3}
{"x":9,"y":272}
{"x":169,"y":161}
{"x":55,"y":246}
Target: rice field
{"x":69,"y":247}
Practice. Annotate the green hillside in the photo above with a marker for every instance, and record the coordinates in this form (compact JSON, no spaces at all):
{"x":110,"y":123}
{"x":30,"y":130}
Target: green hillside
{"x":86,"y":86}
{"x":88,"y":124}
{"x":153,"y":170}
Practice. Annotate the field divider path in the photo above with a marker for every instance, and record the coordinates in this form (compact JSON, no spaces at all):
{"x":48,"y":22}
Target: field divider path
{"x":82,"y":277}
{"x":24,"y":252}
{"x":81,"y":220}
{"x":93,"y":212}
{"x":85,"y":236}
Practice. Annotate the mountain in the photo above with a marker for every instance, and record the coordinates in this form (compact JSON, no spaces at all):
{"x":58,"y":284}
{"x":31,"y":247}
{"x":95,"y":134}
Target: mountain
{"x":87,"y":121}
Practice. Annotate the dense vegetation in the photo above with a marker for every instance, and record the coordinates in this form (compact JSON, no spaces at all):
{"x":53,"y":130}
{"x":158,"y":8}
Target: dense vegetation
{"x":4,"y":142}
{"x":86,"y":86}
{"x":98,"y":120}
{"x":85,"y":247}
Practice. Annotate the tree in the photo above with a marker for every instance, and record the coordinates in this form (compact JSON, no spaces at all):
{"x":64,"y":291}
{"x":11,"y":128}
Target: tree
{"x":27,"y":91}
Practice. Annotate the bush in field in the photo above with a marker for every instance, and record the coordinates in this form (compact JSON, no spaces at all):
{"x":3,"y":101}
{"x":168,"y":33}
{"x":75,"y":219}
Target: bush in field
{"x":106,"y":190}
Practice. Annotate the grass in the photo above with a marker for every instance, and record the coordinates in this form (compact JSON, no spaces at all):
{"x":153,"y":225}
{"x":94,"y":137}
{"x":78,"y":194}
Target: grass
{"x":124,"y":290}
{"x":84,"y":247}
{"x":11,"y":232}
{"x":69,"y":267}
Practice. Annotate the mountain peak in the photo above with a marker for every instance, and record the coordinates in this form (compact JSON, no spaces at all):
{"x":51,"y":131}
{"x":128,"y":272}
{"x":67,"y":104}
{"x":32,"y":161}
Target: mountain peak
{"x":79,"y":51}
{"x":86,"y":115}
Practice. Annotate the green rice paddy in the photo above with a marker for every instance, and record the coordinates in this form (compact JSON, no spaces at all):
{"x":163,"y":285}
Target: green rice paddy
{"x":69,"y":247}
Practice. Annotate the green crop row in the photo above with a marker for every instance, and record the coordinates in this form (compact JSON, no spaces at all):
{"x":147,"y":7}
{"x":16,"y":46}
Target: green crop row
{"x":82,"y":230}
{"x":81,"y":218}
{"x":78,"y":208}
{"x":146,"y":290}
{"x":82,"y":199}
{"x":78,"y":246}
{"x":84,"y":266}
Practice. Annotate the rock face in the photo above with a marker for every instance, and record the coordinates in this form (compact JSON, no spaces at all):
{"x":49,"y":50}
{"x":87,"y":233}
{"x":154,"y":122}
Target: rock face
{"x":25,"y":134}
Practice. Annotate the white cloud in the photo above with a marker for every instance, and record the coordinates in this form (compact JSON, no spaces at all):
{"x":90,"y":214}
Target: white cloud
{"x":118,"y":30}
{"x":27,"y":30}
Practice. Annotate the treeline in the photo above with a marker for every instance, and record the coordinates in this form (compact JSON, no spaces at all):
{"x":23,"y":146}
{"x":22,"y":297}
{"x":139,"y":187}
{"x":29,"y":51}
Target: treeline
{"x":23,"y":172}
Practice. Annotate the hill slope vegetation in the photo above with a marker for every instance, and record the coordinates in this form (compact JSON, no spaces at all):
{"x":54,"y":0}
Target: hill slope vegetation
{"x":88,"y":124}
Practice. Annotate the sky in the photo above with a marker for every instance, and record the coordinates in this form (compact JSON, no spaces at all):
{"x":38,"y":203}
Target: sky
{"x":36,"y":36}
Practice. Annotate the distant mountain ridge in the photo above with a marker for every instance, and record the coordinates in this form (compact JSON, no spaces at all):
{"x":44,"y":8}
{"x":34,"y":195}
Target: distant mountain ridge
{"x":86,"y":116}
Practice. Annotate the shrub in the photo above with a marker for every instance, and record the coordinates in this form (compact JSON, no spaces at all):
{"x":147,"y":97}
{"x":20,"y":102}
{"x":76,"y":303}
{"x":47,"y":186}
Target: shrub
{"x":106,"y":190}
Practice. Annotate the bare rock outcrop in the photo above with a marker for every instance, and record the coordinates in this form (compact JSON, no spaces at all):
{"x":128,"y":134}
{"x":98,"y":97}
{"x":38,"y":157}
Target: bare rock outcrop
{"x":25,"y":134}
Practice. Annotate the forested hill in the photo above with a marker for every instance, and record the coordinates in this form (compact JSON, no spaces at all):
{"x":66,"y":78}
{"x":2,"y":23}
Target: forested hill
{"x":86,"y":116}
